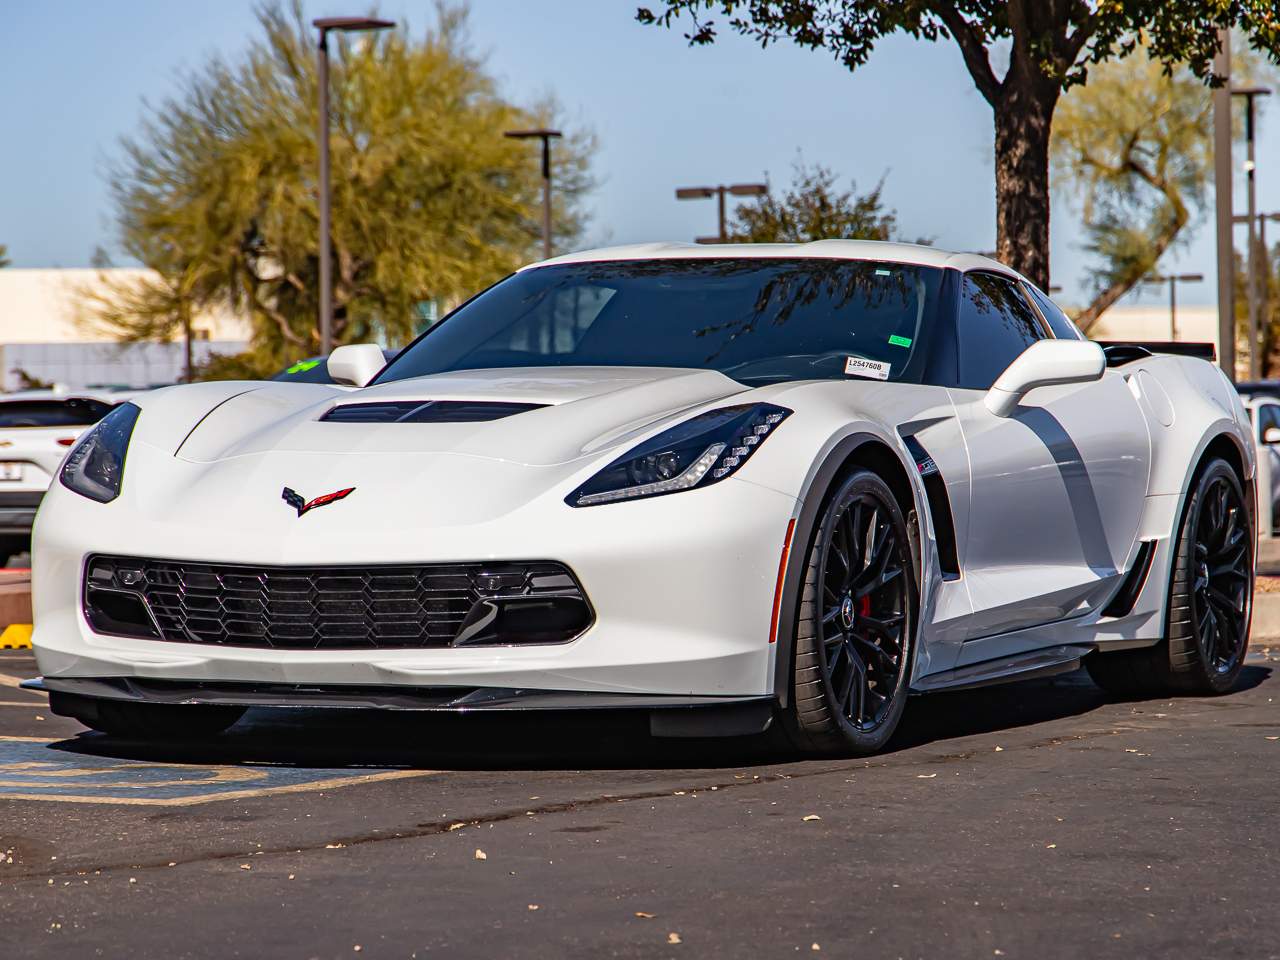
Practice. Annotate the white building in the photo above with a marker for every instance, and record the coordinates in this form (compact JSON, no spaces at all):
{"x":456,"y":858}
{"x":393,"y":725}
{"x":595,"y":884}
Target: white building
{"x":47,"y":332}
{"x":1152,"y":322}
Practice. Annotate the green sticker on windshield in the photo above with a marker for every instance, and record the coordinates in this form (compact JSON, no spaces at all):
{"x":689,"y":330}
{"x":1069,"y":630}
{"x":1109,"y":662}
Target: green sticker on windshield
{"x":302,"y":366}
{"x":897,"y":341}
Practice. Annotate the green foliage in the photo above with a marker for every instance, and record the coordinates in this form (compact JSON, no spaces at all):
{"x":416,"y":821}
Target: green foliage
{"x":217,"y":192}
{"x":1135,"y":147}
{"x":813,"y":208}
{"x":1268,"y":293}
{"x":4,"y":256}
{"x":1050,"y":46}
{"x":1058,"y":40}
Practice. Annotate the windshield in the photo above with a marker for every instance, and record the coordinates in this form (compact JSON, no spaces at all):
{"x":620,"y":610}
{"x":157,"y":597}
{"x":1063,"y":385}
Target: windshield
{"x":754,"y":319}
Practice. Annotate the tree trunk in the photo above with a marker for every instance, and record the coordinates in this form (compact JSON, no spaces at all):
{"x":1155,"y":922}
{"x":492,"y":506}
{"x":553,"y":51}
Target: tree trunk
{"x":1023,"y":113}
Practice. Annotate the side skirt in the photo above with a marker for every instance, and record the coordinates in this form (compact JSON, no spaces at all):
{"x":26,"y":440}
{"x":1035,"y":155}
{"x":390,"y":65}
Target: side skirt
{"x":1025,"y":666}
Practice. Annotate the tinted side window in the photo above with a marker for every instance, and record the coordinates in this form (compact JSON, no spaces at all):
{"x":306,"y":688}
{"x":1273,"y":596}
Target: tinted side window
{"x":75,"y":412}
{"x":1268,"y":416}
{"x":1058,"y":321}
{"x":995,"y":325}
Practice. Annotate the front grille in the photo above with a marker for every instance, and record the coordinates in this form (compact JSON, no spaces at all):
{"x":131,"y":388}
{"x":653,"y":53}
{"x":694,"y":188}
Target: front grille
{"x":335,"y":607}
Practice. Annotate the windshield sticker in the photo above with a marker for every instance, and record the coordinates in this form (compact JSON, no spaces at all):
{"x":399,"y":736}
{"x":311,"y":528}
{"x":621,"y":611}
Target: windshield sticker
{"x":861,"y":367}
{"x":302,"y":366}
{"x":897,"y":341}
{"x":883,"y":273}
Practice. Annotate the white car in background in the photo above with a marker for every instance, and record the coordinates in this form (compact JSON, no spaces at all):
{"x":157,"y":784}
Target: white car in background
{"x":1264,"y":412}
{"x":37,"y":427}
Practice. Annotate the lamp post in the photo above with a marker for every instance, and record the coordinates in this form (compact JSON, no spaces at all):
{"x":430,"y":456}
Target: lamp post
{"x":546,"y":136}
{"x":1173,"y":279}
{"x":1250,"y":94}
{"x":1222,"y":205}
{"x":324,"y":25}
{"x":703,"y":193}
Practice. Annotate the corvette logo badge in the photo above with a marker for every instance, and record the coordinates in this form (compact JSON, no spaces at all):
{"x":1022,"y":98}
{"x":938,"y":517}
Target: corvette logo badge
{"x":294,"y":499}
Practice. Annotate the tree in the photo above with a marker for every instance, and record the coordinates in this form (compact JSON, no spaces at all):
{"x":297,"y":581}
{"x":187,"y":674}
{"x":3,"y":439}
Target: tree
{"x":4,"y":256}
{"x":217,"y":192}
{"x":1050,"y":45}
{"x":814,"y":208}
{"x":1135,"y":146}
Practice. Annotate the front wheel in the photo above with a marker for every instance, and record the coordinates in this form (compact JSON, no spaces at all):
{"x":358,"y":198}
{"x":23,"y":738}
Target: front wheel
{"x":855,"y":624}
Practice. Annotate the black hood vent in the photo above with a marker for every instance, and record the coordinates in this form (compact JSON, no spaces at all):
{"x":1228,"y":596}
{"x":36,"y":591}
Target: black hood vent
{"x":429,"y":411}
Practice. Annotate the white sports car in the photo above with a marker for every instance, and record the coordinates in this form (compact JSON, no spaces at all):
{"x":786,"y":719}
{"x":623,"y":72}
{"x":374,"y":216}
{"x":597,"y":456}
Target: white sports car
{"x":734,"y":487}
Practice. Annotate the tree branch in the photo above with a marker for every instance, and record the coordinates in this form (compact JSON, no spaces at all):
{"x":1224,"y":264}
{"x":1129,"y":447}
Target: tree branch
{"x":972,"y":49}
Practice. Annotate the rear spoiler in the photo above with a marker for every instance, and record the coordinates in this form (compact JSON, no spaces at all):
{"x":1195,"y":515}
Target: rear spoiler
{"x":1133,"y":349}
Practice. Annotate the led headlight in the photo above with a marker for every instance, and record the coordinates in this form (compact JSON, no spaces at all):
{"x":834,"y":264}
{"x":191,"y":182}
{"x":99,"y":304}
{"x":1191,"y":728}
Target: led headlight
{"x":698,"y":452}
{"x":95,"y":465}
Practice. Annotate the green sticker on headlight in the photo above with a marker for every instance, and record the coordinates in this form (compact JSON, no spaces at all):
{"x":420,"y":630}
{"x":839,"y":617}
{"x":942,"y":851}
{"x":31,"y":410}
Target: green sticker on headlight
{"x":897,"y":341}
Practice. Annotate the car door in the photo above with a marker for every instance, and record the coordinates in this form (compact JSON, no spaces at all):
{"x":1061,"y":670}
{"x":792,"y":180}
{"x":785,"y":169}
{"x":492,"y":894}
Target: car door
{"x":1056,"y":488}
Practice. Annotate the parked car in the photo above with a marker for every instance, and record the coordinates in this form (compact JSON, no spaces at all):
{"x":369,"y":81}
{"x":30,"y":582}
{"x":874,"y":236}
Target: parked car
{"x":1264,"y":414}
{"x":36,"y":429}
{"x":733,"y":487}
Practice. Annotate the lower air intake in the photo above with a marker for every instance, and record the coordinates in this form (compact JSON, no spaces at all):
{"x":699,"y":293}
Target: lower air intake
{"x":335,"y":608}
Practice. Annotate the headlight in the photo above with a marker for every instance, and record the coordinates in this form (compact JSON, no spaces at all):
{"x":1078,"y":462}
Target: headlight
{"x":95,"y":465}
{"x":698,"y":452}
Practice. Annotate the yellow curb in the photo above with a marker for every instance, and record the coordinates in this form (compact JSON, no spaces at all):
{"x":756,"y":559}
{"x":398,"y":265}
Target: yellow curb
{"x":16,"y":636}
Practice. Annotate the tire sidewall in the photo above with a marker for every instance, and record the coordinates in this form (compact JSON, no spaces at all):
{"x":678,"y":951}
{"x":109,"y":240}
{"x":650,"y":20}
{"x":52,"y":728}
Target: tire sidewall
{"x":837,"y":734}
{"x":1203,"y":675}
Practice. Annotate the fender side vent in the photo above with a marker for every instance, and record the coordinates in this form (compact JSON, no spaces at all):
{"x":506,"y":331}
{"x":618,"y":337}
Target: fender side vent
{"x":935,"y":488}
{"x":1122,"y":603}
{"x":428,"y":411}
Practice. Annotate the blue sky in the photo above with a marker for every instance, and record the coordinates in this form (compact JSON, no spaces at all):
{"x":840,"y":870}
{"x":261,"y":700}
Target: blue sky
{"x":75,"y":73}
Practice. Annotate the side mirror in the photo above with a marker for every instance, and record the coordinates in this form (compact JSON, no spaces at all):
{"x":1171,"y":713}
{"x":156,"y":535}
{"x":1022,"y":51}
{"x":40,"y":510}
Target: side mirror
{"x":1271,"y":435}
{"x":356,"y":364}
{"x":1046,"y":363}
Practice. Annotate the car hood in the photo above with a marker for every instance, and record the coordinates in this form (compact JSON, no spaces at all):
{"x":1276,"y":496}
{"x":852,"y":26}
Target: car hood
{"x":582,"y":411}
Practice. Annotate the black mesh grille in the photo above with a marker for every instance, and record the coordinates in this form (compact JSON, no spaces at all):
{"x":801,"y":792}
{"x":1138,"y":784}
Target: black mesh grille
{"x":319,"y":608}
{"x":429,"y":411}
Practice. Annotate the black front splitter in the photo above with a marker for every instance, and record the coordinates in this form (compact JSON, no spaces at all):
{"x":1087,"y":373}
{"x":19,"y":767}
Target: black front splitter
{"x":671,"y":716}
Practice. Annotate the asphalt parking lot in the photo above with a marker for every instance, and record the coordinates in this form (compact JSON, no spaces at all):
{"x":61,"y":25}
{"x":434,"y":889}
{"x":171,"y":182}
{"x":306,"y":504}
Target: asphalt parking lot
{"x":1034,"y":820}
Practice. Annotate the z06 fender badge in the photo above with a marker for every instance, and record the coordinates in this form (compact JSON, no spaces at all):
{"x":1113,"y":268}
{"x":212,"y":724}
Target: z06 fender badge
{"x":294,"y":499}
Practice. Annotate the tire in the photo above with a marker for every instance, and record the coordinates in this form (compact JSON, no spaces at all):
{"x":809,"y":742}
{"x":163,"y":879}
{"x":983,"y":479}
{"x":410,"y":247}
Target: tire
{"x":146,"y":721}
{"x":855,"y":623}
{"x":1210,"y":601}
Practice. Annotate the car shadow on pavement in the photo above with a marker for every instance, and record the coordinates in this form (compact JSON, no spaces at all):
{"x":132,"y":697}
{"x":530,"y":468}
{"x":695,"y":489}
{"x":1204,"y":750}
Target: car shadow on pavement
{"x":490,"y":742}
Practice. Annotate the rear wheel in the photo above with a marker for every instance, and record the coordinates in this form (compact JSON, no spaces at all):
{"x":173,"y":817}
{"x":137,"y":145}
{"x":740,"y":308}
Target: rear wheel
{"x":856,"y":623}
{"x":146,"y":721}
{"x":1210,"y":601}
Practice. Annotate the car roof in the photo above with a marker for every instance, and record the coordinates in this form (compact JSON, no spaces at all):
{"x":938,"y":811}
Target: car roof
{"x":916,"y":254}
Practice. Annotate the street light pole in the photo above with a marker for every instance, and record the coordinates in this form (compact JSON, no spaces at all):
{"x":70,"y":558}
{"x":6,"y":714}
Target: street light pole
{"x":324,"y":25}
{"x":736,"y":190}
{"x":1222,"y":205}
{"x":1250,"y":94}
{"x":546,"y":136}
{"x":1173,"y":279}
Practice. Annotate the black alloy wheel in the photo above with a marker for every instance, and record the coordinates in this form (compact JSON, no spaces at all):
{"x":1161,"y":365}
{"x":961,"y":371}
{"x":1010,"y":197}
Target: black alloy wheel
{"x":1210,"y":600}
{"x":854,"y":641}
{"x":1222,"y":588}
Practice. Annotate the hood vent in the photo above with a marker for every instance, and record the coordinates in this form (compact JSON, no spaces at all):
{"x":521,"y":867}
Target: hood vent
{"x":430,"y":411}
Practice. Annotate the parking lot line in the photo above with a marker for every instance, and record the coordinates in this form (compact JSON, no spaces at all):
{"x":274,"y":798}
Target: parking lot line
{"x":29,"y":770}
